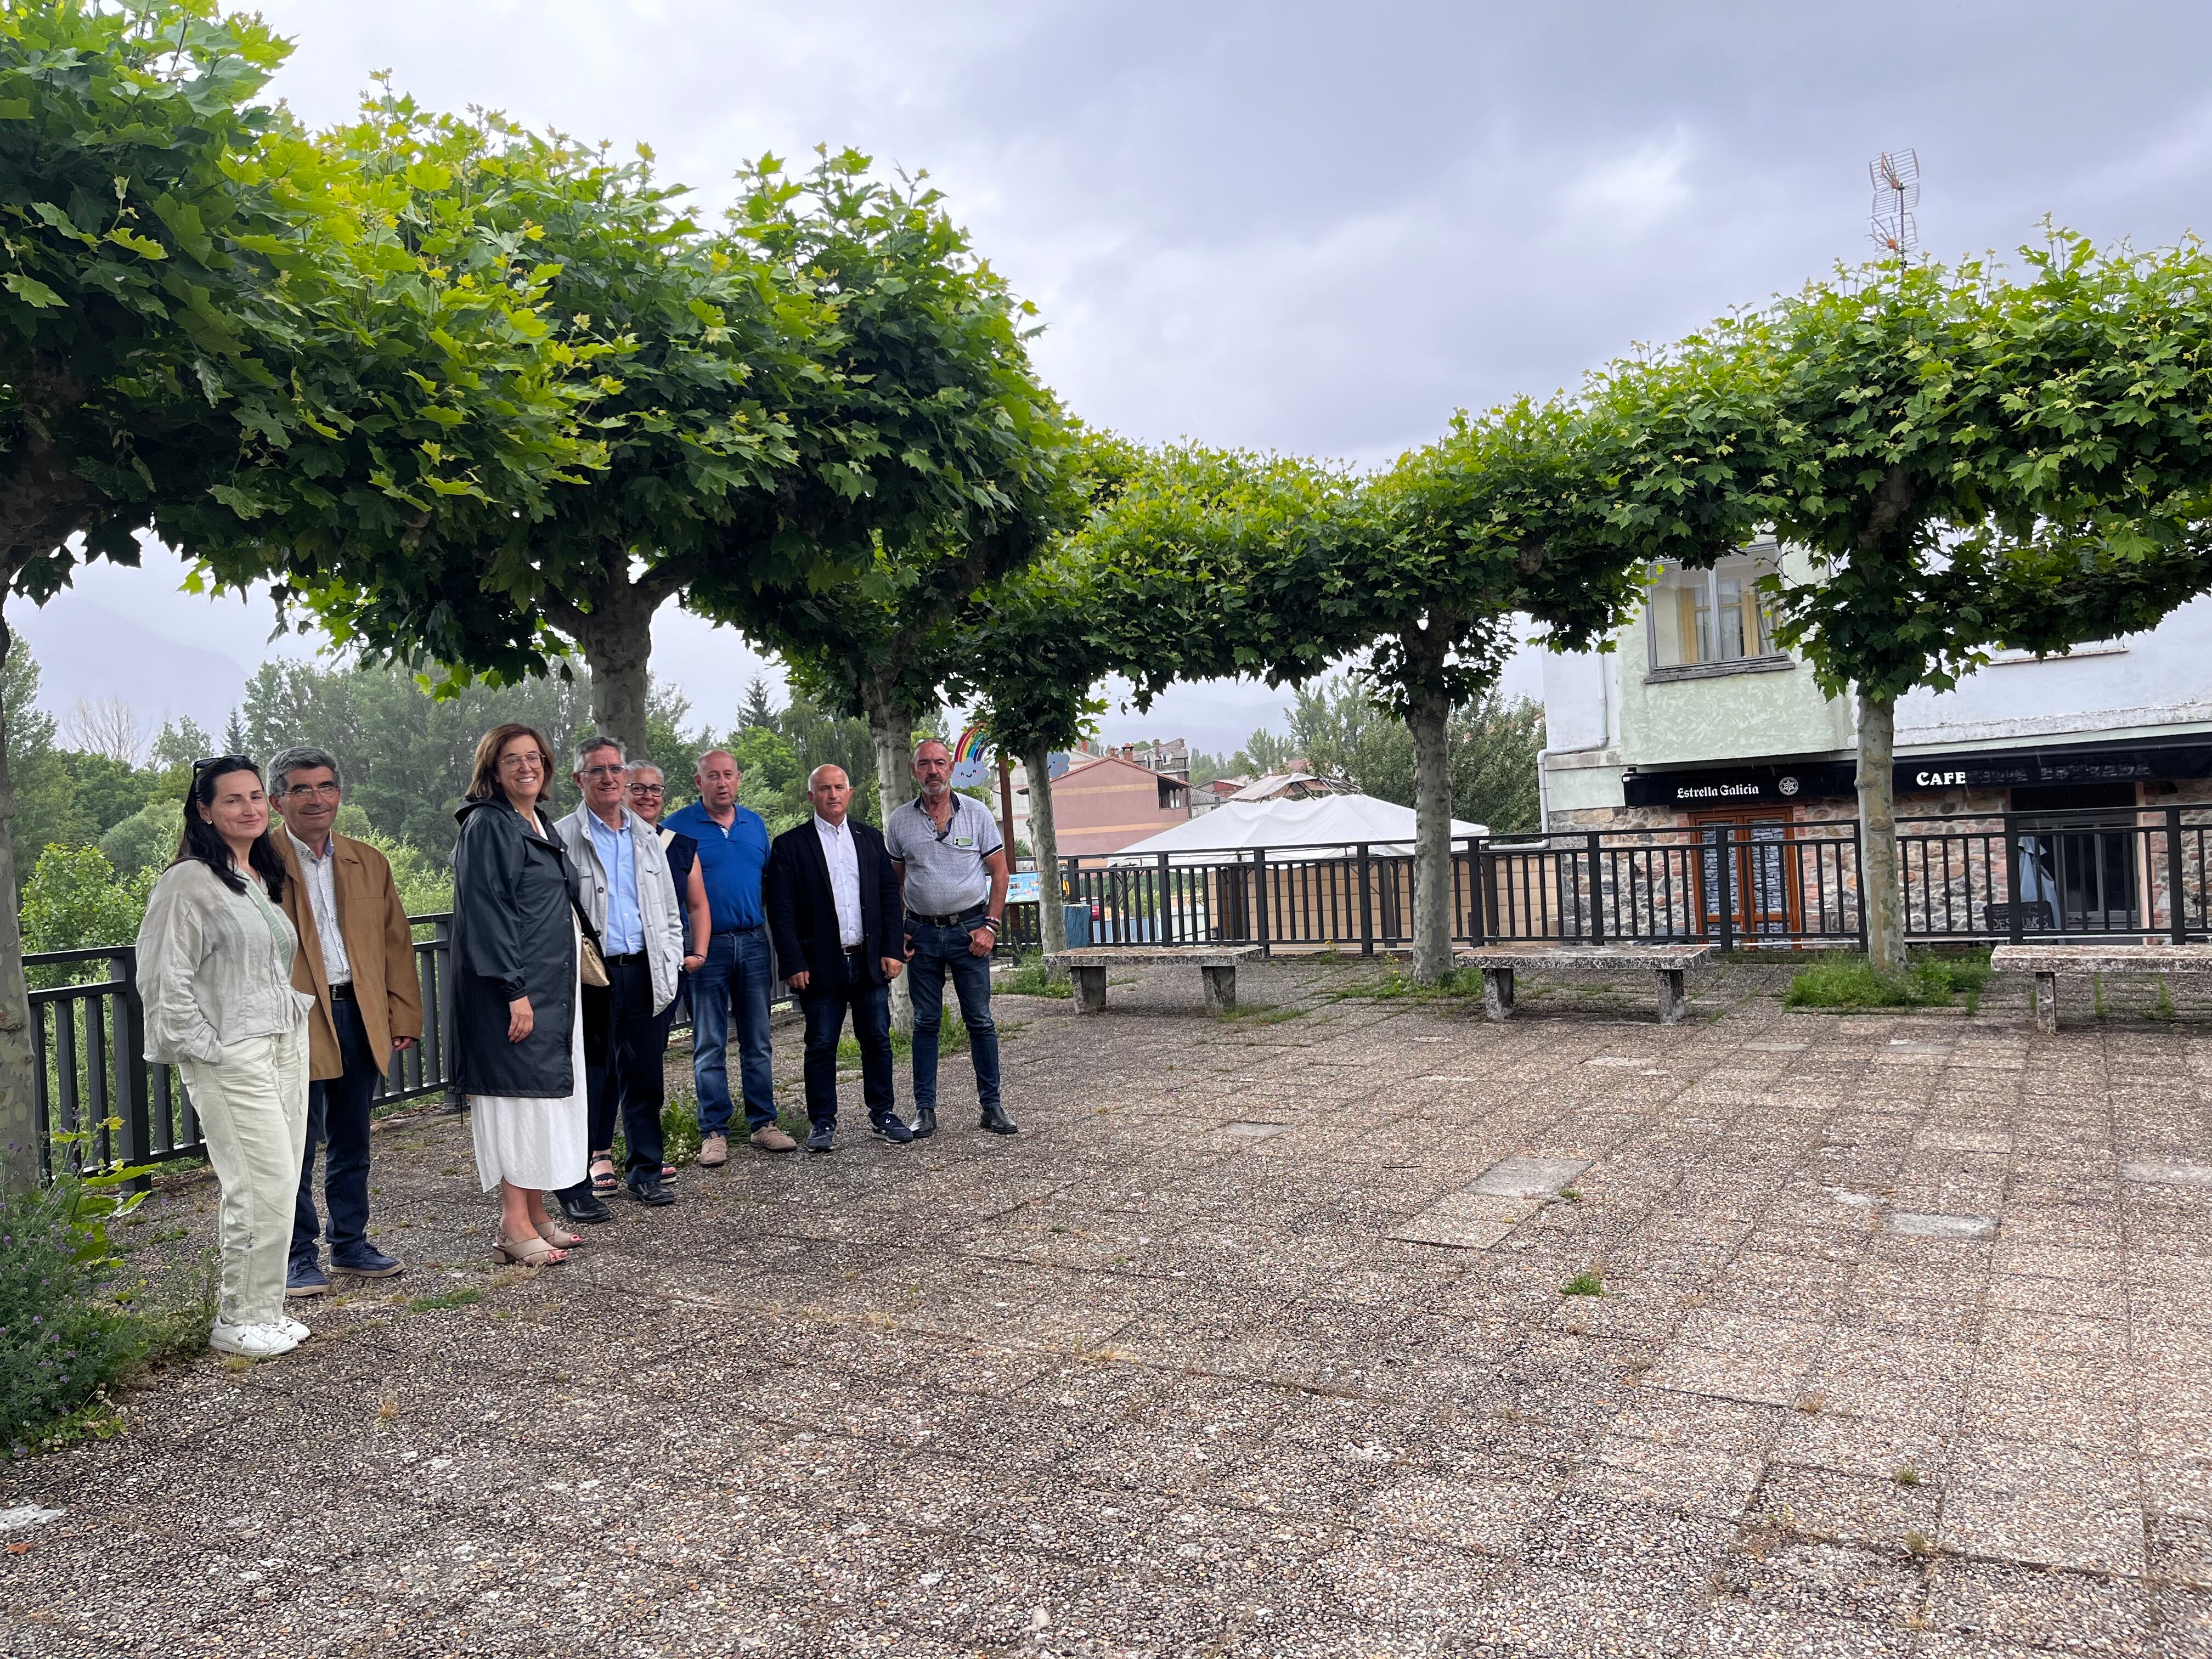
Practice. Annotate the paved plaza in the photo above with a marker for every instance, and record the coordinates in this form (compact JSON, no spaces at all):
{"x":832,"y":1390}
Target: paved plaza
{"x":1257,"y":1341}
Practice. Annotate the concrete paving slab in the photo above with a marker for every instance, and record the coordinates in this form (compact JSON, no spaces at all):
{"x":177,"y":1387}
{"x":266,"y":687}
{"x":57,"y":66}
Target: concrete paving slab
{"x":1253,"y":1343}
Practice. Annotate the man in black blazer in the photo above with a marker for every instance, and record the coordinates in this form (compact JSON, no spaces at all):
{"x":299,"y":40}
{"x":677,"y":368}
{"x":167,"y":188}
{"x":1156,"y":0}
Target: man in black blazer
{"x":833,"y":912}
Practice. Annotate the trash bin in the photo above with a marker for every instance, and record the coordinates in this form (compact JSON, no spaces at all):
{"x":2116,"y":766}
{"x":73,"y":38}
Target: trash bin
{"x":1078,"y":925}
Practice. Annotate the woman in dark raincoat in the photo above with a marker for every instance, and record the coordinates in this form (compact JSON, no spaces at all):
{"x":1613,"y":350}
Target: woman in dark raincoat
{"x":518,"y":1041}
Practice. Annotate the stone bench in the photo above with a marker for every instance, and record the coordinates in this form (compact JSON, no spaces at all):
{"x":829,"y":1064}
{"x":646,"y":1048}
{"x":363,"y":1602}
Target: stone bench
{"x":1666,"y":962}
{"x":1216,"y":963}
{"x":2047,"y":961}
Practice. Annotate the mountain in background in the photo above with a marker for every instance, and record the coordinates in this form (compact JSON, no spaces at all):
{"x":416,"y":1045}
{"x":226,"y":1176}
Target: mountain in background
{"x":89,"y":651}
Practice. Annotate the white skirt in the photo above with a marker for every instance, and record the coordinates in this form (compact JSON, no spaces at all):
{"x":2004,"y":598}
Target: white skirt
{"x":536,"y":1143}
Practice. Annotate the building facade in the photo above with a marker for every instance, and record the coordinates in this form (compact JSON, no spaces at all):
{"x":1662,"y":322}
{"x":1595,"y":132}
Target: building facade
{"x":1698,"y":720}
{"x":1104,"y":805}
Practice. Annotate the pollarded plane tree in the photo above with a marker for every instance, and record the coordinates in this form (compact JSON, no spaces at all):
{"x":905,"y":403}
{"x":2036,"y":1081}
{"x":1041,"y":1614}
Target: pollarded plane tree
{"x":1443,"y":560}
{"x":212,"y":328}
{"x":957,"y":473}
{"x":1030,"y":651}
{"x":1971,"y":461}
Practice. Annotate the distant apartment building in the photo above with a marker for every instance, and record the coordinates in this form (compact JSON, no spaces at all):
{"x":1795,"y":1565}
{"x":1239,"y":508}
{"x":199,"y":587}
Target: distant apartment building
{"x":1103,"y":803}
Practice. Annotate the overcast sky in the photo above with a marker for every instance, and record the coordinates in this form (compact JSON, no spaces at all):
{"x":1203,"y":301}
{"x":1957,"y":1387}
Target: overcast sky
{"x":1322,"y":229}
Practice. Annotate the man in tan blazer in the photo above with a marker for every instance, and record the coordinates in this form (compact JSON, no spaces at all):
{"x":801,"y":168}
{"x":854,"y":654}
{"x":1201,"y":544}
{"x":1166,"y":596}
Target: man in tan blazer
{"x":357,"y":955}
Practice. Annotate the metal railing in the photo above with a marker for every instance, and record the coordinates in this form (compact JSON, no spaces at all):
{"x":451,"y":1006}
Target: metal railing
{"x":2108,"y":874}
{"x":91,"y":1077}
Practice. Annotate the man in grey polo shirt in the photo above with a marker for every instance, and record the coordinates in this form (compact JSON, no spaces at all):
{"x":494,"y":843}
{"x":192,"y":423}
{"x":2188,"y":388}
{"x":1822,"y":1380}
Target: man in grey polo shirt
{"x":951,"y":862}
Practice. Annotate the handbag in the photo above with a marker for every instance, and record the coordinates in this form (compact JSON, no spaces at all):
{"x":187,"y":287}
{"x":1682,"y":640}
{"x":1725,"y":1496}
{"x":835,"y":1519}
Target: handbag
{"x":590,"y":961}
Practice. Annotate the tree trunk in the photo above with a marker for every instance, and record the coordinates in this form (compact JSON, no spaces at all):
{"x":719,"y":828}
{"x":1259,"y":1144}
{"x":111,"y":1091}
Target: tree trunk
{"x":616,"y":639}
{"x":19,"y":1125}
{"x":1428,"y":714}
{"x":891,"y":727}
{"x":1879,"y":890}
{"x":1044,"y":844}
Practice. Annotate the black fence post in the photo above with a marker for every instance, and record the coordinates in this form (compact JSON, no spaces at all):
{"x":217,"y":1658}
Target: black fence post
{"x":2177,"y":916}
{"x":1596,"y":929}
{"x":2016,"y":930}
{"x":132,"y":1074}
{"x":1166,"y":906}
{"x":1366,"y":905}
{"x":1724,"y":863}
{"x":1259,"y":898}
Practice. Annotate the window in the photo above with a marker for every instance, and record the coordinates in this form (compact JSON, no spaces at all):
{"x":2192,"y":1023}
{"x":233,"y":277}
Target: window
{"x":1701,"y":617}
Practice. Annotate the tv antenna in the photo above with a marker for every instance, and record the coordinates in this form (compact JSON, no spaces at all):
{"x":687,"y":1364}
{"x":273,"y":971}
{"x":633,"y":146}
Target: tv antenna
{"x":1896,"y":175}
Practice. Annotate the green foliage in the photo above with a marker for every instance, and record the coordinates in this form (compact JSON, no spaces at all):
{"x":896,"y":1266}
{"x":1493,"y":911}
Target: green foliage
{"x":1588,"y":1282}
{"x":1972,"y":460}
{"x":405,"y":755}
{"x":47,"y":812}
{"x":1852,"y":982}
{"x":966,"y":474}
{"x":775,"y":758}
{"x":74,"y":901}
{"x":1494,"y":746}
{"x":108,"y":791}
{"x":63,"y":1336}
{"x":952,"y":1039}
{"x":147,"y":839}
{"x":1030,"y":977}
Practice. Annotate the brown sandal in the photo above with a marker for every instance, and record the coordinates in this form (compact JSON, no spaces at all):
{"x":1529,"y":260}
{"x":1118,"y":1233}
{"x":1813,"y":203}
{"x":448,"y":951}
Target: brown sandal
{"x":552,"y":1231}
{"x":531,"y":1252}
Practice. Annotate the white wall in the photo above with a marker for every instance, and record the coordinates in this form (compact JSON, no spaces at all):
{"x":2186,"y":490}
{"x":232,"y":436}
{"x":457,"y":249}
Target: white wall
{"x":2161,"y":679}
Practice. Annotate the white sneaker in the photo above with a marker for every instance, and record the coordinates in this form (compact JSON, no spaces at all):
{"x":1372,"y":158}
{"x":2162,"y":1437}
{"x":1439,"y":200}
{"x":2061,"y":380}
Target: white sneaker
{"x":251,"y":1341}
{"x":292,"y":1328}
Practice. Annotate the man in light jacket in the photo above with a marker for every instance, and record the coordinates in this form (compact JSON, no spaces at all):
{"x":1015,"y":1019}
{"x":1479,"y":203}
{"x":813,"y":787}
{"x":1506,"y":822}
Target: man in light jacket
{"x":356,"y":958}
{"x":631,"y":897}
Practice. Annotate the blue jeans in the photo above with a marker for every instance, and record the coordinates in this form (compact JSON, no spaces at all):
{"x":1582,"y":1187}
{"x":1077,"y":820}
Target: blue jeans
{"x":338,"y":1117}
{"x":872,"y":1027}
{"x":738,"y":976}
{"x":938,"y":952}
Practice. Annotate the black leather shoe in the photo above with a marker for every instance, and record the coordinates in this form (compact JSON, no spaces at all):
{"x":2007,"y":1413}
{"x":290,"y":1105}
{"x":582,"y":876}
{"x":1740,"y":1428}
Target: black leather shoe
{"x":925,"y":1122}
{"x":996,"y":1120}
{"x":822,"y":1138}
{"x":582,"y":1207}
{"x":647,"y":1190}
{"x":890,"y":1129}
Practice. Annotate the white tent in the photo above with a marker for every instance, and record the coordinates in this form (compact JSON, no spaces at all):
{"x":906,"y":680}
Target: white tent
{"x":1323,"y":825}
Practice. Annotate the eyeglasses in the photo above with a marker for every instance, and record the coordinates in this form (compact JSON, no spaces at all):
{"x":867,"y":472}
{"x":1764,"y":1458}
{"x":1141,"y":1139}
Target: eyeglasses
{"x":225,"y":760}
{"x":314,"y":791}
{"x":604,"y":771}
{"x":521,"y":760}
{"x":647,"y":789}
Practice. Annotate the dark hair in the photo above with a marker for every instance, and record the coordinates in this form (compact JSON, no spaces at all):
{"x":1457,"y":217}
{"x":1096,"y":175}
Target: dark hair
{"x":483,"y":775}
{"x":203,"y":842}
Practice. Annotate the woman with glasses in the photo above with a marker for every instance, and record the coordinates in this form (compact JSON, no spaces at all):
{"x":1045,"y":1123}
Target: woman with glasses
{"x":215,"y":973}
{"x":518,"y":1041}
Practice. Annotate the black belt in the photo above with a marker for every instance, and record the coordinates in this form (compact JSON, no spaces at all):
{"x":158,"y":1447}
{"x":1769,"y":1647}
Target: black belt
{"x":731,"y":933}
{"x":968,"y":914}
{"x":343,"y":993}
{"x":626,"y":956}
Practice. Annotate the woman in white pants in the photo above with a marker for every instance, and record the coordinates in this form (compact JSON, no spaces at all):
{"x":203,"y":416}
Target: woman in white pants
{"x":215,"y":973}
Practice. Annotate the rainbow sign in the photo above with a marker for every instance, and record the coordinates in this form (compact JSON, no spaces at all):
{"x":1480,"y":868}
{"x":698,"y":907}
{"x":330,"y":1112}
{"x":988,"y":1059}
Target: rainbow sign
{"x":968,"y":746}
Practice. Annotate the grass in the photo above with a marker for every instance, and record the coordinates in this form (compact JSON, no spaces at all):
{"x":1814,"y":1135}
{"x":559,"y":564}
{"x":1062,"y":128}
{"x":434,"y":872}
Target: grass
{"x":450,"y":1299}
{"x":1030,"y":977}
{"x":1398,"y":985}
{"x":952,"y":1039}
{"x":1928,"y":982}
{"x":1585,"y":1283}
{"x":1907,"y":1476}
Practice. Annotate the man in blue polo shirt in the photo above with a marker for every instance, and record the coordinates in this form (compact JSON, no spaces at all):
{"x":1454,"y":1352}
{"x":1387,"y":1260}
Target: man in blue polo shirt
{"x":739,"y":973}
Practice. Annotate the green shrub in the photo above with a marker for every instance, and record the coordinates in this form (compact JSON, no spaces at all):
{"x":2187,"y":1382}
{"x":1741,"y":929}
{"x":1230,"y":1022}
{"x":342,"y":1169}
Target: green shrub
{"x":1928,"y":982}
{"x":1030,"y":977}
{"x":62,"y":1335}
{"x":76,"y":902}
